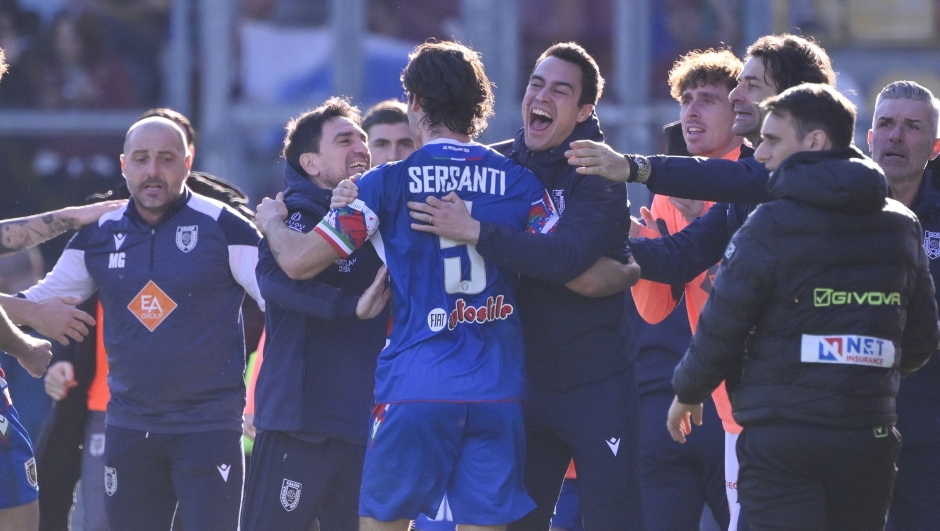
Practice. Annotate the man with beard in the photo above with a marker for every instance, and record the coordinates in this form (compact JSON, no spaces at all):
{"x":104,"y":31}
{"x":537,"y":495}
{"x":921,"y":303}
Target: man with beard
{"x":171,"y":269}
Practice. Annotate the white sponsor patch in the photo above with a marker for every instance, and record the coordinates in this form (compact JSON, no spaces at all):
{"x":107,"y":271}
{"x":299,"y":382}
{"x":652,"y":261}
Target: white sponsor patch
{"x":437,"y":319}
{"x":290,"y":494}
{"x":96,"y":445}
{"x":848,"y":349}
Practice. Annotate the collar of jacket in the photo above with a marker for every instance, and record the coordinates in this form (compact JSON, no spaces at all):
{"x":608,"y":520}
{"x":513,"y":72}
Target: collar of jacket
{"x":842,"y":180}
{"x":132,"y":212}
{"x":301,"y":193}
{"x":589,"y":129}
{"x":927,"y":203}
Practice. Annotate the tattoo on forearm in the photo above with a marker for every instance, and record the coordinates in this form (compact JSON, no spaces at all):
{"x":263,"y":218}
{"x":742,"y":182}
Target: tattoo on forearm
{"x":23,"y":233}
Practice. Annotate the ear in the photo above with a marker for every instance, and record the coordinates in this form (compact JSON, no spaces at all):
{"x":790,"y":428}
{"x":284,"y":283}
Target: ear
{"x":415,"y":103}
{"x":585,"y":111}
{"x":123,"y":166}
{"x":935,"y":150}
{"x":817,"y":140}
{"x":310,"y":162}
{"x":870,"y":148}
{"x":189,"y":161}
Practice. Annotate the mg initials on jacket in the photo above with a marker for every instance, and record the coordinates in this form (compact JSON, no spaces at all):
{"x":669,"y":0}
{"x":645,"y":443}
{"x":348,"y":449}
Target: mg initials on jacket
{"x":828,"y":297}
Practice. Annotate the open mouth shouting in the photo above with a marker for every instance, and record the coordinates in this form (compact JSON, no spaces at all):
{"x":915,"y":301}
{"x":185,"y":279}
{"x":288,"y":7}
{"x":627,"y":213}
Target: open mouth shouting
{"x":540,"y":120}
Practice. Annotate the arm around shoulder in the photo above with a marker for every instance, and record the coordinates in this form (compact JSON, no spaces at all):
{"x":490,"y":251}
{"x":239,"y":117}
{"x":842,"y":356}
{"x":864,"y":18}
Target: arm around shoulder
{"x":606,"y":277}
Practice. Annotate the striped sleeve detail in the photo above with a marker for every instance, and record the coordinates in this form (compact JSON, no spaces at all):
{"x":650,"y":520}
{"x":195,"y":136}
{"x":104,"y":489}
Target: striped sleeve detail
{"x":242,"y":260}
{"x":69,"y":278}
{"x":347,"y":229}
{"x":542,"y":215}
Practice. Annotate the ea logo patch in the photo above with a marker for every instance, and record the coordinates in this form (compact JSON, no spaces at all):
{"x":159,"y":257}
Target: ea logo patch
{"x":187,"y":237}
{"x":437,"y":319}
{"x":96,"y":445}
{"x":31,"y":477}
{"x":290,"y":494}
{"x":110,"y":481}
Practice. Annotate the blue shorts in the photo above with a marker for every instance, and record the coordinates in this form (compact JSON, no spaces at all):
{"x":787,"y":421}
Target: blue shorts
{"x":17,"y":463}
{"x":474,"y":452}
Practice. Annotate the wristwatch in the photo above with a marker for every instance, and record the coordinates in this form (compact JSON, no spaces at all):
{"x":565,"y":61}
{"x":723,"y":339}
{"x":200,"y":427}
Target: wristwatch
{"x":643,"y":168}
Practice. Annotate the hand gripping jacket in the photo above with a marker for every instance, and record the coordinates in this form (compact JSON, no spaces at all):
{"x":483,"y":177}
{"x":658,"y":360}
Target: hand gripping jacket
{"x":827,"y":291}
{"x":172,"y":297}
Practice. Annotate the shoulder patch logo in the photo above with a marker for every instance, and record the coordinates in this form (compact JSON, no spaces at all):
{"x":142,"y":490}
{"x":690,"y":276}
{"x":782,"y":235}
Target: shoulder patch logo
{"x":559,"y":197}
{"x":932,"y":244}
{"x":729,"y":251}
{"x":31,"y":476}
{"x":110,"y":481}
{"x":119,"y":240}
{"x":151,"y":306}
{"x":187,"y":237}
{"x":290,"y":494}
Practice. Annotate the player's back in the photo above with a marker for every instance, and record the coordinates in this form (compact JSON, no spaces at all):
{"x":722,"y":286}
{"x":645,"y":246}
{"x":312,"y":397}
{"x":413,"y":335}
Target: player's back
{"x":456,"y":333}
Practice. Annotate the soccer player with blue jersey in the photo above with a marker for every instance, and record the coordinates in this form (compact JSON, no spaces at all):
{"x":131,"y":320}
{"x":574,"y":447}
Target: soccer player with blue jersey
{"x":449,"y":385}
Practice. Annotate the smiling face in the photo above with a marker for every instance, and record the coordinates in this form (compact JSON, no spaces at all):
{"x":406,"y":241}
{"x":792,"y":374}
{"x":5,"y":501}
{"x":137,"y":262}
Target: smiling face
{"x":707,"y":117}
{"x":390,"y":142}
{"x":550,"y":109}
{"x":903,"y":138}
{"x":343,"y":153}
{"x":754,"y":86}
{"x":155,"y":165}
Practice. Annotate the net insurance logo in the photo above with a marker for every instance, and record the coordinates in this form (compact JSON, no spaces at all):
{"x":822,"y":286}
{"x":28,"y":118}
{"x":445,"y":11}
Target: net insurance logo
{"x":847,"y":349}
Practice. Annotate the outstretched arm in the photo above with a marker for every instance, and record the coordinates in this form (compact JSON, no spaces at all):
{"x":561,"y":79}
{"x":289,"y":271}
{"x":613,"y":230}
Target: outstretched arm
{"x":720,"y":180}
{"x":23,"y":233}
{"x":300,"y":256}
{"x":33,"y":354}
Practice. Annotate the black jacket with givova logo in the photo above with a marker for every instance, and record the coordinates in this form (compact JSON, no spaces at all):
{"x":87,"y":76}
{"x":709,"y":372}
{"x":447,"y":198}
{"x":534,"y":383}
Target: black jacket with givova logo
{"x":824,"y":299}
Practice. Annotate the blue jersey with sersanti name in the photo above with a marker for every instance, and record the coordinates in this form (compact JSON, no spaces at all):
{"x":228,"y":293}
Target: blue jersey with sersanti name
{"x":456,"y":334}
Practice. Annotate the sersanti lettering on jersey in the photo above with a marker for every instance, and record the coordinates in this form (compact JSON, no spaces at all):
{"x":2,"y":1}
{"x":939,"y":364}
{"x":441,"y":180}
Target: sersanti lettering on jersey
{"x":443,"y":179}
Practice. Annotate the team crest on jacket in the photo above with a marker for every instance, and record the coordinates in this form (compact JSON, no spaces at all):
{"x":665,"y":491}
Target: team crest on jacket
{"x":186,"y":237}
{"x":932,"y":244}
{"x":110,"y":481}
{"x":96,"y":445}
{"x":290,"y":494}
{"x":559,"y":196}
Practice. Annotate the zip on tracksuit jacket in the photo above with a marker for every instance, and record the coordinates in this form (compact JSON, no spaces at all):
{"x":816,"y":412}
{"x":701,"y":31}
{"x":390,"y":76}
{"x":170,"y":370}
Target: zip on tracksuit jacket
{"x":318,"y":375}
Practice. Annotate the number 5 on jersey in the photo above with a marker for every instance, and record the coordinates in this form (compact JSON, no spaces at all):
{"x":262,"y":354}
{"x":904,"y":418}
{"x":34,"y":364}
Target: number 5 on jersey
{"x":453,"y":267}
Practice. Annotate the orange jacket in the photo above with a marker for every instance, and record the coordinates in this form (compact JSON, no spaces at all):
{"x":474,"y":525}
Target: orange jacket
{"x":654,"y":301}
